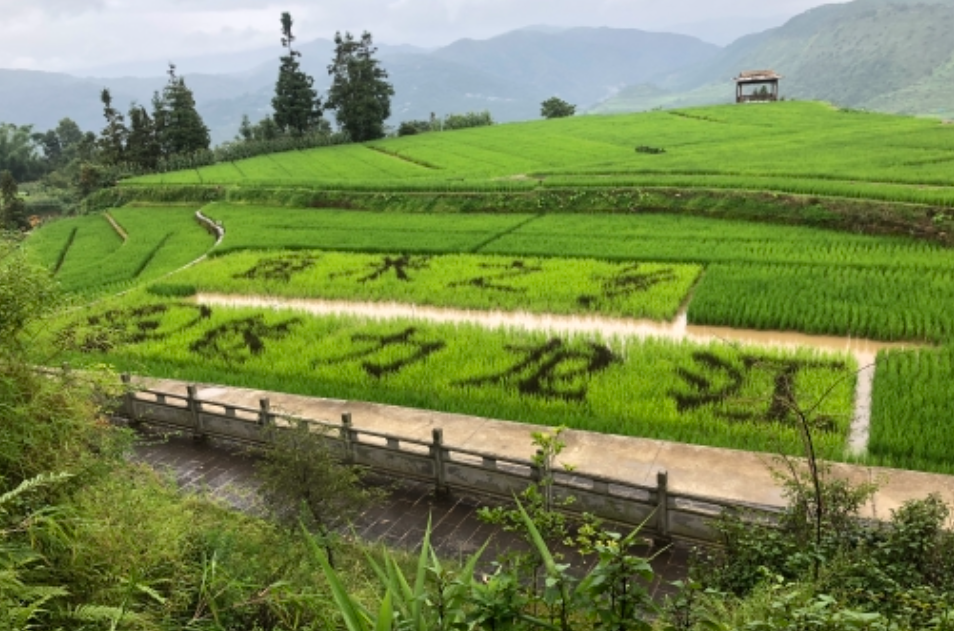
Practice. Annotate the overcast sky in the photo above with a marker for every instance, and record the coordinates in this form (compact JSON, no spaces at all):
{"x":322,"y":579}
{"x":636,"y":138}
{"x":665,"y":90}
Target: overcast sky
{"x":66,"y":35}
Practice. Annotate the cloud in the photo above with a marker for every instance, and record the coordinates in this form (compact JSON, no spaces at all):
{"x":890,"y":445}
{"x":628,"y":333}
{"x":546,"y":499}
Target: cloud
{"x":13,"y":9}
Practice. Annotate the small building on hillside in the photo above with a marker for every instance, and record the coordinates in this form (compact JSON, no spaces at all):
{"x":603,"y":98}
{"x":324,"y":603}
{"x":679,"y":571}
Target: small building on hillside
{"x":756,"y":85}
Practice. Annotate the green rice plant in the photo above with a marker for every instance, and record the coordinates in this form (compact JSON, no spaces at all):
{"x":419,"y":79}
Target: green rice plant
{"x":704,"y":394}
{"x":663,"y":237}
{"x":97,"y":259}
{"x":264,"y":228}
{"x":803,"y":147}
{"x":876,"y":303}
{"x":634,"y":290}
{"x":912,"y":412}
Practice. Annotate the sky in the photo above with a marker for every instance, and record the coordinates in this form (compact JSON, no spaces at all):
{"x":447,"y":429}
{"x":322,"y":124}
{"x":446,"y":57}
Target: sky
{"x":70,"y":35}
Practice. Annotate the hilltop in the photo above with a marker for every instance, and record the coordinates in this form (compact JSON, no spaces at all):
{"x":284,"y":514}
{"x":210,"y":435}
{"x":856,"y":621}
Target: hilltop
{"x":887,"y":56}
{"x":795,"y":147}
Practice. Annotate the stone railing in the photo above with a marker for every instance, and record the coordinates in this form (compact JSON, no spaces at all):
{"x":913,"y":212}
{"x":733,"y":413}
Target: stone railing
{"x":666,"y":514}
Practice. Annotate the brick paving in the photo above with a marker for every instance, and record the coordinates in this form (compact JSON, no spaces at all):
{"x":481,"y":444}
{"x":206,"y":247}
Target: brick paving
{"x":226,"y":472}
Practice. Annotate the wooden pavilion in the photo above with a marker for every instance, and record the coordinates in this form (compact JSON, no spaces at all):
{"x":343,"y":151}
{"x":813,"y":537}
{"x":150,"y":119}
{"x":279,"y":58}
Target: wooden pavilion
{"x":756,"y":85}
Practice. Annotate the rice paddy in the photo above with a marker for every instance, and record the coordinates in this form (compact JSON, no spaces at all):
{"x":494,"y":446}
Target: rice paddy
{"x":804,"y":148}
{"x":617,"y":264}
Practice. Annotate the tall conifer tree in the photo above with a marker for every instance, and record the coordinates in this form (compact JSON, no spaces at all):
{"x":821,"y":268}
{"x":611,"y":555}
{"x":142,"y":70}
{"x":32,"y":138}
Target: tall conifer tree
{"x":179,"y":127}
{"x":112,"y":141}
{"x":296,"y":103}
{"x":360,"y":94}
{"x":142,"y":145}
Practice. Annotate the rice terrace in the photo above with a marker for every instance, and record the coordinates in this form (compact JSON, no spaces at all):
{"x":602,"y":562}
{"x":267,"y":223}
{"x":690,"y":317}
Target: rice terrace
{"x":766,"y":259}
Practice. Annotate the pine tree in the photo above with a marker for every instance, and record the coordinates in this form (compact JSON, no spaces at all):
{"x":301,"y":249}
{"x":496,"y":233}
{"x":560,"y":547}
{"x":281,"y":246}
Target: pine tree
{"x":246,"y":131}
{"x":142,"y":146}
{"x":112,"y":140}
{"x":13,"y":214}
{"x":296,"y":103}
{"x":179,"y":127}
{"x":360,"y":94}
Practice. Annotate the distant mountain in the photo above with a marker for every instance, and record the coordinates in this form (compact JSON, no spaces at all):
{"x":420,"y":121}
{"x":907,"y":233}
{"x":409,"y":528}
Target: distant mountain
{"x":582,"y":65}
{"x":508,"y":75}
{"x":891,"y":55}
{"x":41,"y":99}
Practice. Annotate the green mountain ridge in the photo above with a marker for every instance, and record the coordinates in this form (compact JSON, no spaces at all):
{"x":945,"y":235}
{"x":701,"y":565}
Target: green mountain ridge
{"x":890,"y":55}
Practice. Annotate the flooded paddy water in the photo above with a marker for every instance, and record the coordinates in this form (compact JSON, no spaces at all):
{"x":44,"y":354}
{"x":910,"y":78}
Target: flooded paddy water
{"x":864,"y":351}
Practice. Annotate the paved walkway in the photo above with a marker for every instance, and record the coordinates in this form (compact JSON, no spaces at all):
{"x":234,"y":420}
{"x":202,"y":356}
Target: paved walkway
{"x":701,"y":471}
{"x":227,"y":472}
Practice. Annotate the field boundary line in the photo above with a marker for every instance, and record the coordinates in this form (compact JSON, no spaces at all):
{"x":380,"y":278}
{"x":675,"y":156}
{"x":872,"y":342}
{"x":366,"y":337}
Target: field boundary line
{"x":65,"y":251}
{"x":477,"y":248}
{"x":115,"y":224}
{"x":398,"y":156}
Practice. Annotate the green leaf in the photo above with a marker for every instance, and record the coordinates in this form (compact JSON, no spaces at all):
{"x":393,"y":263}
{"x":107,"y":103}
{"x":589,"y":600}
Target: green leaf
{"x":354,"y":617}
{"x":385,"y":614}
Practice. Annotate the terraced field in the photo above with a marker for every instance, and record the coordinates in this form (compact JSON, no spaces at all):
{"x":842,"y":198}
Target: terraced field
{"x":89,"y":255}
{"x":714,"y":395}
{"x":806,"y":148}
{"x":626,"y":263}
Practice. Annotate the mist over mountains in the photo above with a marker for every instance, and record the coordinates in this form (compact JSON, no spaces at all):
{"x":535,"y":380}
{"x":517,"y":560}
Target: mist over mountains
{"x":891,"y":55}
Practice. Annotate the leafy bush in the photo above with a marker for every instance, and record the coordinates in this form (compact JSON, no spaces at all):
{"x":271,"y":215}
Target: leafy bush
{"x":413,"y":127}
{"x":469,"y":119}
{"x":555,"y":107}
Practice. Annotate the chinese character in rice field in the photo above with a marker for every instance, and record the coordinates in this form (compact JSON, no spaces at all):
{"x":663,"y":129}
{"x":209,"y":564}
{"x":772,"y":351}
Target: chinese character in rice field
{"x":384,"y":355}
{"x":133,"y":325}
{"x":280,"y":268}
{"x":554,"y":369}
{"x":399,"y":265}
{"x":627,"y":281}
{"x":238,"y":340}
{"x":499,"y":281}
{"x":722,"y":383}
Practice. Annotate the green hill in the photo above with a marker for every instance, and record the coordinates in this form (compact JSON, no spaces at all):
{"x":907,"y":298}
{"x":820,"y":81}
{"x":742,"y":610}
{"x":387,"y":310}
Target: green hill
{"x":794,"y":147}
{"x":890,"y":56}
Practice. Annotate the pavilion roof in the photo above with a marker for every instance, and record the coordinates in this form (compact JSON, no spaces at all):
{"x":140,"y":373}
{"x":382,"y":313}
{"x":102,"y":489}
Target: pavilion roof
{"x":755,"y":76}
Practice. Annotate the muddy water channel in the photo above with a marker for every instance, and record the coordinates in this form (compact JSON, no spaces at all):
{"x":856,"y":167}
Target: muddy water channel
{"x":864,"y":351}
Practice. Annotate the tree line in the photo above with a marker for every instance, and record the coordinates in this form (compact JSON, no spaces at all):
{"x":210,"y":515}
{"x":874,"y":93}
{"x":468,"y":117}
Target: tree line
{"x":66,"y":163}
